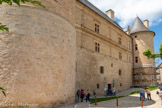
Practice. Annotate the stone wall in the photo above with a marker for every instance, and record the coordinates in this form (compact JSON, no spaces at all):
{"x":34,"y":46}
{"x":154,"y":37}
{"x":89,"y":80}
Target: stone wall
{"x":63,"y":8}
{"x":145,"y":76}
{"x":89,"y":61}
{"x":144,"y":70}
{"x":37,"y":56}
{"x":159,"y":71}
{"x":144,"y":40}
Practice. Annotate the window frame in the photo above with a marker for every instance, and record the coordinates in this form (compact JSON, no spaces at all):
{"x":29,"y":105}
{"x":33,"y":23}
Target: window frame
{"x":97,"y":47}
{"x":97,"y":28}
{"x":120,"y":84}
{"x":136,"y":47}
{"x":112,"y":64}
{"x":136,"y":59}
{"x":120,"y":72}
{"x":98,"y":86}
{"x":102,"y":69}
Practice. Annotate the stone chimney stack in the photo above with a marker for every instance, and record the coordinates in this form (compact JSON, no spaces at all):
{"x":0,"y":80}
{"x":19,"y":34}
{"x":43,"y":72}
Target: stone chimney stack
{"x":128,"y":31}
{"x":110,"y":14}
{"x":146,"y":23}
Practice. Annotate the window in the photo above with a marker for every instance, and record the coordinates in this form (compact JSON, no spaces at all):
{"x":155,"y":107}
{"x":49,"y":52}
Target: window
{"x":98,"y":86}
{"x":120,"y":41}
{"x":97,"y":47}
{"x":120,"y":84}
{"x":101,"y":69}
{"x":136,"y":47}
{"x":111,"y":64}
{"x":120,"y":55}
{"x":136,"y":59}
{"x":135,"y":36}
{"x":119,"y":72}
{"x":96,"y":28}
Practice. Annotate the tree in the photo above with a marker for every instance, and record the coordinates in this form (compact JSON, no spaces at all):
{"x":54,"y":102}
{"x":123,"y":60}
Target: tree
{"x":5,"y":28}
{"x":150,"y":54}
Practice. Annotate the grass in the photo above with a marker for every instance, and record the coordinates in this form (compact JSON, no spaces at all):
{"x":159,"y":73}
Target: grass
{"x":105,"y":99}
{"x":114,"y":97}
{"x":153,"y":88}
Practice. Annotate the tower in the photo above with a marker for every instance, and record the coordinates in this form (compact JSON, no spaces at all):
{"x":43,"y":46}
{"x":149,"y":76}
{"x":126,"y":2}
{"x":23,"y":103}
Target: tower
{"x":144,"y":69}
{"x":37,"y":56}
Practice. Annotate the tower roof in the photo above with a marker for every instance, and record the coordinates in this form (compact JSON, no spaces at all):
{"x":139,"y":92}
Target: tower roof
{"x":138,"y":26}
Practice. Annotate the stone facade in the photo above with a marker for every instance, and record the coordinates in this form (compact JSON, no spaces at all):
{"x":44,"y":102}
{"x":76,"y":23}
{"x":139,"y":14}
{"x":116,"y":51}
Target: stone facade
{"x":89,"y":61}
{"x":51,"y":52}
{"x":159,"y":73}
{"x":144,"y":70}
{"x":37,"y":56}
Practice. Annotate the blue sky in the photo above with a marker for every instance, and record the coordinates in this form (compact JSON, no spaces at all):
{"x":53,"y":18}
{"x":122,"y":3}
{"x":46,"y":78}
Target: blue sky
{"x":158,"y":37}
{"x":127,"y":10}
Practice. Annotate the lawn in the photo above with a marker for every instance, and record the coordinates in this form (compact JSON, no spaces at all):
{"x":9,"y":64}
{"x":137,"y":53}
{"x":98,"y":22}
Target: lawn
{"x":114,"y":97}
{"x":106,"y":98}
{"x":153,"y":88}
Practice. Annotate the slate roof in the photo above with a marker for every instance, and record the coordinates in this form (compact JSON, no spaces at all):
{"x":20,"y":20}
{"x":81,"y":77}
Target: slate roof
{"x":160,"y":65}
{"x":138,"y":26}
{"x":99,"y":12}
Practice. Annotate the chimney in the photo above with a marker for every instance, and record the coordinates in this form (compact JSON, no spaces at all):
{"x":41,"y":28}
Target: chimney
{"x":110,"y":14}
{"x":146,"y":23}
{"x":128,"y":31}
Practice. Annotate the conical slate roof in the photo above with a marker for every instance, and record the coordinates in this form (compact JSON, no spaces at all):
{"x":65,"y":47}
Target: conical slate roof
{"x":138,"y":26}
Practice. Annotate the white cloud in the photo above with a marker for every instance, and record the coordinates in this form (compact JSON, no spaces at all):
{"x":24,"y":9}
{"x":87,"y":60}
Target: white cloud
{"x":127,"y":10}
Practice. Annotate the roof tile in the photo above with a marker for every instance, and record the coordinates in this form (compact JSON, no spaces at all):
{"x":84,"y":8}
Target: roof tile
{"x":138,"y":26}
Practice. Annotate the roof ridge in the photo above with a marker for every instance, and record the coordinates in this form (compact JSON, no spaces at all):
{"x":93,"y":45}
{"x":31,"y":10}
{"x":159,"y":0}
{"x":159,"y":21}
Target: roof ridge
{"x":138,"y":26}
{"x":99,"y":12}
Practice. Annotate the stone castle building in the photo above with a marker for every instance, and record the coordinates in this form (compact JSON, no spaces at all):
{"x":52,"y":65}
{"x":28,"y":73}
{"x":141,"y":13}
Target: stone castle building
{"x":159,"y":73}
{"x":51,"y":52}
{"x":144,"y":70}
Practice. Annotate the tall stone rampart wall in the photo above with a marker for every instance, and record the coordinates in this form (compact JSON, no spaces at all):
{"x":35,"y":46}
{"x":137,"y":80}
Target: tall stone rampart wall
{"x":37,"y":56}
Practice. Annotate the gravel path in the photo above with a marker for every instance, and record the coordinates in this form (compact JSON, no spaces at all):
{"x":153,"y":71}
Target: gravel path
{"x":132,"y":101}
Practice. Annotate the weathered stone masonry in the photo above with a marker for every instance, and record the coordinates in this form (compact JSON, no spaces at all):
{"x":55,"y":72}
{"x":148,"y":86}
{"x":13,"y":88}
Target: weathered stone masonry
{"x":51,"y":52}
{"x":37,"y":56}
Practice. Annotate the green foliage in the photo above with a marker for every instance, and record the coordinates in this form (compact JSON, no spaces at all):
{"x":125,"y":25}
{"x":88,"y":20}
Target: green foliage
{"x":10,"y":2}
{"x":102,"y":99}
{"x":3,"y":91}
{"x":135,"y":91}
{"x":160,"y":50}
{"x":114,"y":97}
{"x":3,"y":27}
{"x":149,"y":53}
{"x":106,"y":98}
{"x":153,"y":88}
